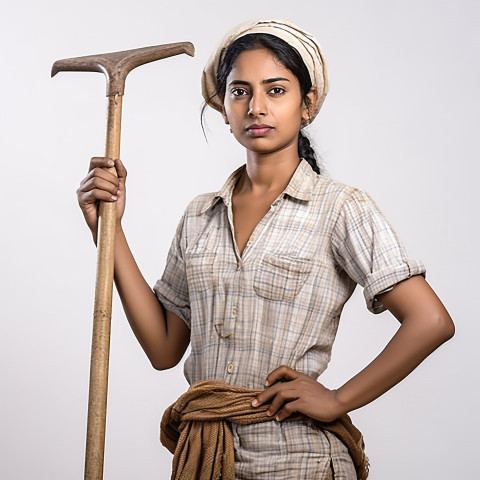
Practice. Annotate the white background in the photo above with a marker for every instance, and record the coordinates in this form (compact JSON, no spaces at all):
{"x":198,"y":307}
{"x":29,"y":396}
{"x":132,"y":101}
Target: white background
{"x":401,"y":121}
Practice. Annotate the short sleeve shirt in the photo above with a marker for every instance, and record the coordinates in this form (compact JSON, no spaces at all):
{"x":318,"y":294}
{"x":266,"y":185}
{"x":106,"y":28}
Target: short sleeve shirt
{"x":279,"y":303}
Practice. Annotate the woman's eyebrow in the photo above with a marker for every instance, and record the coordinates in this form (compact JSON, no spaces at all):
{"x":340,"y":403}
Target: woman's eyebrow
{"x":275,"y":79}
{"x":238,"y":82}
{"x":265,"y":82}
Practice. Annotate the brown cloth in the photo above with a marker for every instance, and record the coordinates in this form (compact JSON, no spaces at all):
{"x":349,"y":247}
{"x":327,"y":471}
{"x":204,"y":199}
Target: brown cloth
{"x":195,"y":429}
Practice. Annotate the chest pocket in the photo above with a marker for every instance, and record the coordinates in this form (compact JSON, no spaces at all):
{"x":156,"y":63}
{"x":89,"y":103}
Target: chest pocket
{"x":280,"y":277}
{"x":200,"y":275}
{"x":200,"y":259}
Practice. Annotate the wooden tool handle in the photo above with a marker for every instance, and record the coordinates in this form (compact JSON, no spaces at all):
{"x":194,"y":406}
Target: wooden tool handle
{"x":97,"y":401}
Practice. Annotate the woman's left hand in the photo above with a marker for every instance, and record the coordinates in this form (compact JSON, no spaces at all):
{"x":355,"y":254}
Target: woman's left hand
{"x":300,"y":393}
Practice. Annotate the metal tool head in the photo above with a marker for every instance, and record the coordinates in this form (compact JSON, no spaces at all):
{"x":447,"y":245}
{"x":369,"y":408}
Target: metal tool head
{"x":117,"y":65}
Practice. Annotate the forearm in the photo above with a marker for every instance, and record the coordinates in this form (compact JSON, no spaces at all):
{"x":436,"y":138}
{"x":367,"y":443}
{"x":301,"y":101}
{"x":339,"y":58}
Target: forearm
{"x":143,"y":310}
{"x":414,"y":341}
{"x":163,"y":335}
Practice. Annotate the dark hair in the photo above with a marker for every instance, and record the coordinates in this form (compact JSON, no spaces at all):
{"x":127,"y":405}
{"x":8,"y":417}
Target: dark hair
{"x":289,"y":57}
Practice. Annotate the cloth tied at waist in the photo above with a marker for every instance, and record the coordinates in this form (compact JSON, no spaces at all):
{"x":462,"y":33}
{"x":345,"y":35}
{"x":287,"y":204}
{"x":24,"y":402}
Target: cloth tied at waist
{"x":196,"y":430}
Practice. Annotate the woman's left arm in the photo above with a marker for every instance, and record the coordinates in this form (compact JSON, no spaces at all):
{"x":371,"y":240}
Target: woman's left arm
{"x":425,"y":325}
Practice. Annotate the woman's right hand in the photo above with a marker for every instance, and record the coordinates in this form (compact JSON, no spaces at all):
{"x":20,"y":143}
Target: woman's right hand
{"x":98,"y":185}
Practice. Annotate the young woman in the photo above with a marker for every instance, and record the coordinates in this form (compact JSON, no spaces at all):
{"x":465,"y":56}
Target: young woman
{"x":258,"y":272}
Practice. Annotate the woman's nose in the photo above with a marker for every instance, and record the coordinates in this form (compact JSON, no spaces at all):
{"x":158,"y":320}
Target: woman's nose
{"x":257,"y":106}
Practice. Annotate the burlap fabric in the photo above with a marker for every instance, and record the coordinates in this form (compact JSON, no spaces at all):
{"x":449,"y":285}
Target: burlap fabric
{"x":196,"y":430}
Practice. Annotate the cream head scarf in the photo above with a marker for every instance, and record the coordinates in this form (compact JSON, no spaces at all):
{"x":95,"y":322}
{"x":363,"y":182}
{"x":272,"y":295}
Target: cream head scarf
{"x":305,"y":43}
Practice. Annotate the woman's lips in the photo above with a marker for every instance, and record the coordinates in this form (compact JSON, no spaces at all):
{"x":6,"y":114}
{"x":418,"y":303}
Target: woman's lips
{"x":258,"y":130}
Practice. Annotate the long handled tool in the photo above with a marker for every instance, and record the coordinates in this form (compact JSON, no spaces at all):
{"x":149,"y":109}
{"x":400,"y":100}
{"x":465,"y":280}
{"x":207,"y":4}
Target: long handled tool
{"x":116,"y":67}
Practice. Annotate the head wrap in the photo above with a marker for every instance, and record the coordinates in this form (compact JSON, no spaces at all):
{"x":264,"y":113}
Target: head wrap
{"x":305,"y":43}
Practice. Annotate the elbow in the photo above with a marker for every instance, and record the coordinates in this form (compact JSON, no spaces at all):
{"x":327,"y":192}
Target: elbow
{"x":444,"y":327}
{"x":450,"y":329}
{"x":169,"y":354}
{"x":164,"y":363}
{"x":158,"y":365}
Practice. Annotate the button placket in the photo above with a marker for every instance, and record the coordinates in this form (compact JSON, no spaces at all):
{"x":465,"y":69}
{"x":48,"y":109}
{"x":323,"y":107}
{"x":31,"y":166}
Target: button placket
{"x":261,"y":228}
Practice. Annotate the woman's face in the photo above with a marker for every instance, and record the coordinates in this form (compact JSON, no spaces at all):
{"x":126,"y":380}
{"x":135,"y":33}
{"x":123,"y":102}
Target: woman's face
{"x":263,"y":103}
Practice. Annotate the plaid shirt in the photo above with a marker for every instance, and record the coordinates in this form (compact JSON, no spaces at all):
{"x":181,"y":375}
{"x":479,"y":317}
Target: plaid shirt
{"x":279,"y":303}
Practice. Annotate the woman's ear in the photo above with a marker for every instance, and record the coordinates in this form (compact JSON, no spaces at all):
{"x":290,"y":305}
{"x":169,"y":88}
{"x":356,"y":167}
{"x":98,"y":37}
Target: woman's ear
{"x":309,"y":105}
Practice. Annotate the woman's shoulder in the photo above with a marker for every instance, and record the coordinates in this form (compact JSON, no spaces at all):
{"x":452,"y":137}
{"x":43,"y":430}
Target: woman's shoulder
{"x":339,"y":193}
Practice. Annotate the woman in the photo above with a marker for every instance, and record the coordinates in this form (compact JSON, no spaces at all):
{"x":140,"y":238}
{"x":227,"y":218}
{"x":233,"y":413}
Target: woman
{"x":258,"y":272}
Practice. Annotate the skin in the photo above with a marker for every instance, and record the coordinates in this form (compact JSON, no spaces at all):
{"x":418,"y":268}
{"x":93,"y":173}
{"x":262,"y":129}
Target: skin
{"x":252,"y":97}
{"x":163,"y":335}
{"x":260,"y":90}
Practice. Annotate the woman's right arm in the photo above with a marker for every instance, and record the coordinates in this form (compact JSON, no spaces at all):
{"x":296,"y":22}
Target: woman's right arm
{"x":163,"y":335}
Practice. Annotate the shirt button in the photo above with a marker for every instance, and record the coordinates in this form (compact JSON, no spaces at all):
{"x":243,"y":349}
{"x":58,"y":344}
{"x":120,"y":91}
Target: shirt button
{"x":234,"y":310}
{"x":230,"y":368}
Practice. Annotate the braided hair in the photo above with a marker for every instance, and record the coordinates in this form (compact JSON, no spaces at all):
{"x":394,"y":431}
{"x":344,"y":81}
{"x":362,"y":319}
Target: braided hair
{"x":290,"y":58}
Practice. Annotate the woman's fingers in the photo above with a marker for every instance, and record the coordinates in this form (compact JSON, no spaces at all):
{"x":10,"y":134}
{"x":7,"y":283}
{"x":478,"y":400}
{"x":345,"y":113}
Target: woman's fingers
{"x":101,"y":184}
{"x":105,"y":181}
{"x":288,"y":409}
{"x":98,"y":172}
{"x":298,"y":393}
{"x":265,"y":396}
{"x":121,"y":170}
{"x":101,"y":162}
{"x":94,"y":195}
{"x":281,"y":373}
{"x":284,"y":394}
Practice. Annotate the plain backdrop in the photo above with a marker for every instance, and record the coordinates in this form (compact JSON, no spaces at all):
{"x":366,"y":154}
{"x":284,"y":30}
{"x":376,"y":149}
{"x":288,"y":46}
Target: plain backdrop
{"x":401,"y":122}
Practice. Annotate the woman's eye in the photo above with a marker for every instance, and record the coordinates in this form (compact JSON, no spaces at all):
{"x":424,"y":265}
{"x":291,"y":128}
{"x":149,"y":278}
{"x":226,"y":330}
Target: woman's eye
{"x":277,"y":90}
{"x":238,"y":92}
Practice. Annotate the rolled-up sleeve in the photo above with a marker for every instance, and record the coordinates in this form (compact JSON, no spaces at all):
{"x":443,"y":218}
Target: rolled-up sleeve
{"x":172,"y":289}
{"x":368,"y":249}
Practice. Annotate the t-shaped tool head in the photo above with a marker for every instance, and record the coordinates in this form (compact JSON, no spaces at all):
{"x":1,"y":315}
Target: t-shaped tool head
{"x":117,"y":65}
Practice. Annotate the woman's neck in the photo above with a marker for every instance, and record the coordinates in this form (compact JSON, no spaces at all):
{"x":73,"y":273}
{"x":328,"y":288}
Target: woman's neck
{"x":267,"y":173}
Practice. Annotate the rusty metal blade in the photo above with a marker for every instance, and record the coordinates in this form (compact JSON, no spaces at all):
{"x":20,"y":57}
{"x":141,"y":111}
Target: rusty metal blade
{"x":117,"y":65}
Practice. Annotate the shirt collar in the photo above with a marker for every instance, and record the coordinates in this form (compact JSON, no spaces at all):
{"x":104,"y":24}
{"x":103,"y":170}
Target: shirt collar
{"x":300,"y":185}
{"x":302,"y":182}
